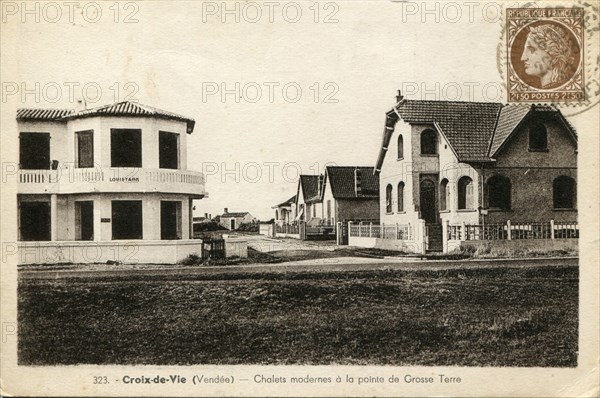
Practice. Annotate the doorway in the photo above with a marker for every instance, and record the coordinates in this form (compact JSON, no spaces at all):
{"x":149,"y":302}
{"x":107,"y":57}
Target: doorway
{"x":84,"y":213}
{"x":428,"y":201}
{"x":170,"y":220}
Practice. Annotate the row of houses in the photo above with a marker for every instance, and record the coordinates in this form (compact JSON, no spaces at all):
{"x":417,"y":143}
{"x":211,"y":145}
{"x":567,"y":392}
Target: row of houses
{"x":112,"y":182}
{"x":447,"y":166}
{"x":339,"y":194}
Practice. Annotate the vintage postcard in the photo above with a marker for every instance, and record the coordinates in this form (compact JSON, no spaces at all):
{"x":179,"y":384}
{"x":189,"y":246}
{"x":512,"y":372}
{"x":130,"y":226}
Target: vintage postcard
{"x":300,"y":198}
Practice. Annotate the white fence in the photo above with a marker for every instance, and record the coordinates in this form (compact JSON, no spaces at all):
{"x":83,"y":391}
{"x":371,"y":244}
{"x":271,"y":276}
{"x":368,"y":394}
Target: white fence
{"x":513,"y":231}
{"x":397,"y":232}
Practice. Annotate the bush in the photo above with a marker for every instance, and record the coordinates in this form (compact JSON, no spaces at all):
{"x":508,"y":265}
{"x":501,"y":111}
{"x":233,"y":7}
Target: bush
{"x":248,"y":227}
{"x":192,"y":259}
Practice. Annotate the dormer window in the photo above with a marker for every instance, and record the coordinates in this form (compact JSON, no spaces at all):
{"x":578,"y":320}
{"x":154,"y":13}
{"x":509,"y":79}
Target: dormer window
{"x":538,"y":137}
{"x":428,"y":142}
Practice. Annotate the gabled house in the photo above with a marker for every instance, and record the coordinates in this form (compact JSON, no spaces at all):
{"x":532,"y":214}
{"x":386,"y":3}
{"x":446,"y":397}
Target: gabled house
{"x":307,"y":194}
{"x":285,"y":212}
{"x":350,"y":193}
{"x":458,"y":163}
{"x":233,"y":220}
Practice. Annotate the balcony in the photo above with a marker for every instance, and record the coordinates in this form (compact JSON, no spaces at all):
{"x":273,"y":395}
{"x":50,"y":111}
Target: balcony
{"x":69,"y":180}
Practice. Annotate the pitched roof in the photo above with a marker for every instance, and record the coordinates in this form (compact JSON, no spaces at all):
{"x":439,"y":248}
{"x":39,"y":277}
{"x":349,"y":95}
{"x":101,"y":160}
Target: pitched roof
{"x":310,"y":186}
{"x":125,"y":108}
{"x":509,"y":118}
{"x":474,"y":130}
{"x":342,"y":182}
{"x":42,"y":114}
{"x":288,"y":202}
{"x":468,"y":126}
{"x":234,"y":215}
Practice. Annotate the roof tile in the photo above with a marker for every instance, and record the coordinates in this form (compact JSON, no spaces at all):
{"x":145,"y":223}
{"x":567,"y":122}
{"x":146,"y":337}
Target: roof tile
{"x":342,"y":182}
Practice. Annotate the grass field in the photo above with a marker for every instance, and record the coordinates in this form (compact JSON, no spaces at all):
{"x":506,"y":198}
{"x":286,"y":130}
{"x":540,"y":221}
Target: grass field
{"x":468,"y":317}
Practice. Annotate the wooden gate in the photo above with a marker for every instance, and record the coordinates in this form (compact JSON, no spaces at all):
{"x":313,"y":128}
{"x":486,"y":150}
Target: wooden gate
{"x":434,"y":238}
{"x":213,"y":248}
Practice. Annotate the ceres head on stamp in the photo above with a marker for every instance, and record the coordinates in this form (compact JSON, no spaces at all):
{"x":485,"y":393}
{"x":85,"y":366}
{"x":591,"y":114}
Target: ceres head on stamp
{"x":549,"y":56}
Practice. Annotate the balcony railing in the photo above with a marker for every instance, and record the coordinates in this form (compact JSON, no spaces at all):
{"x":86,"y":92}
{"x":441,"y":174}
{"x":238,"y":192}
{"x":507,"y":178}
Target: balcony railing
{"x":114,"y":179}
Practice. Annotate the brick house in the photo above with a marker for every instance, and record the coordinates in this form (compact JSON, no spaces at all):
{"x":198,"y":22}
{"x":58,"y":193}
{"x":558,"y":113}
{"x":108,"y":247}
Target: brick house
{"x":472,"y":163}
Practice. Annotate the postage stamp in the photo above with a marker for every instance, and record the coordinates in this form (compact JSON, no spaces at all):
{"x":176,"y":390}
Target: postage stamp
{"x":545,"y":48}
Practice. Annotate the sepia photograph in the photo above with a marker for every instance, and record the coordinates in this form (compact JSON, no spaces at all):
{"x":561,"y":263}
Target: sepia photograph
{"x":300,"y":198}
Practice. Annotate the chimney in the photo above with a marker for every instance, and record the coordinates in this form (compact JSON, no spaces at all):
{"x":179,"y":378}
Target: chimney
{"x":81,"y":105}
{"x":399,"y":96}
{"x":357,"y":181}
{"x":205,"y":215}
{"x":225,"y":211}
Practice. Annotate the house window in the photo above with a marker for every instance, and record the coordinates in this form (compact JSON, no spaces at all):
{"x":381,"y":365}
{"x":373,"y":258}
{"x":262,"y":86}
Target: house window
{"x":170,"y":220}
{"x":85,"y":148}
{"x":428,"y":142}
{"x":34,"y":221}
{"x":563,"y":192}
{"x":538,"y":137}
{"x":126,"y":147}
{"x":499,"y":193}
{"x":400,"y":196}
{"x":168,"y":150}
{"x":444,"y":193}
{"x":127,"y":221}
{"x":388,"y":198}
{"x":314,"y":209}
{"x":400,"y":147}
{"x":329,"y":210}
{"x":84,"y":220}
{"x":34,"y":151}
{"x":465,"y":193}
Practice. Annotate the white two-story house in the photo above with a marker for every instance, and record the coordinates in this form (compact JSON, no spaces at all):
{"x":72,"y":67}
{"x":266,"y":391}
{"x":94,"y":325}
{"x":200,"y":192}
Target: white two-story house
{"x":105,"y":184}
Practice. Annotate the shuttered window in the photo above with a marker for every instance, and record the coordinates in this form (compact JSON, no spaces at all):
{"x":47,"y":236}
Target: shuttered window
{"x":85,"y":148}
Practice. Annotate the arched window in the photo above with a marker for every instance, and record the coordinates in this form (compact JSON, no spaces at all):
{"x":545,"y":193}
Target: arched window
{"x":276,"y":214}
{"x":465,"y":193}
{"x":400,"y":196}
{"x":563,"y":192}
{"x":428,"y":142}
{"x":400,"y":147}
{"x":444,"y":195}
{"x":499,"y":192}
{"x":388,"y":198}
{"x":538,"y":137}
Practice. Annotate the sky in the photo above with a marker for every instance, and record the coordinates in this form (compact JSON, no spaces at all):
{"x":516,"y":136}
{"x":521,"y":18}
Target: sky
{"x":311,"y":92}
